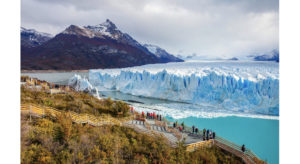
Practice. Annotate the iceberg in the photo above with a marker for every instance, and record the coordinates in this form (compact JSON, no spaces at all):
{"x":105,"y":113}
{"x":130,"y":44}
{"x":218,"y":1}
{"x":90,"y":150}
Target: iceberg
{"x":248,"y":87}
{"x":82,"y":84}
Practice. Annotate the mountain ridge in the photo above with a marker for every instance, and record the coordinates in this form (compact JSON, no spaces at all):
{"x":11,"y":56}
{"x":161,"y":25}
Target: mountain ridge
{"x":88,"y":47}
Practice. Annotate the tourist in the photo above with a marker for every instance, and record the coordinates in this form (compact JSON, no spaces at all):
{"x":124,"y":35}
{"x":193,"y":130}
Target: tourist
{"x":204,"y":131}
{"x":143,"y":114}
{"x":131,"y":110}
{"x":174,"y":125}
{"x":207,"y":133}
{"x":214,"y":135}
{"x":159,"y":117}
{"x":210,"y":135}
{"x":243,"y":148}
{"x":193,"y":127}
{"x":196,"y":130}
{"x":182,"y":124}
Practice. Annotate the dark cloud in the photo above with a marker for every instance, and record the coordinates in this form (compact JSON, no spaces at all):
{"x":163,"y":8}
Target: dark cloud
{"x":206,"y":27}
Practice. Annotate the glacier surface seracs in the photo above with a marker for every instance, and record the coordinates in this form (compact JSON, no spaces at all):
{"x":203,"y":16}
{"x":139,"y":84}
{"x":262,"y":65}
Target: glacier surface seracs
{"x":82,"y":84}
{"x":248,"y":87}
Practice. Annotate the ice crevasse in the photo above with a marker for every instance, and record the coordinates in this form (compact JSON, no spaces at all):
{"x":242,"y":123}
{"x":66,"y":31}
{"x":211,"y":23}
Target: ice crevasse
{"x":241,"y":87}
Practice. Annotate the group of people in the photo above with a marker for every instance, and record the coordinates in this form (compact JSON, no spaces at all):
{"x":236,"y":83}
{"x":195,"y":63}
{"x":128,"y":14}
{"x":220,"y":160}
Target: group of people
{"x":207,"y":134}
{"x":195,"y":130}
{"x":152,"y":116}
{"x":181,"y":128}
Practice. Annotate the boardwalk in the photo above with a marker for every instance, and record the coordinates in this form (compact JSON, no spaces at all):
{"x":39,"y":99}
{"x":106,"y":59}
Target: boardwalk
{"x":151,"y":127}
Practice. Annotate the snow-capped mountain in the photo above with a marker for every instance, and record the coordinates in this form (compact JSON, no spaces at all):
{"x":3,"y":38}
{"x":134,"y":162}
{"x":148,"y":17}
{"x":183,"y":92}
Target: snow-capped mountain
{"x":109,"y":29}
{"x":269,"y":56}
{"x":32,"y":38}
{"x":79,"y":31}
{"x":233,"y":59}
{"x":162,"y":54}
{"x":89,"y":47}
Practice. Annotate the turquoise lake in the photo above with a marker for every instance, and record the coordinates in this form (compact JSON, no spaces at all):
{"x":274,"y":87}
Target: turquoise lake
{"x":259,"y":135}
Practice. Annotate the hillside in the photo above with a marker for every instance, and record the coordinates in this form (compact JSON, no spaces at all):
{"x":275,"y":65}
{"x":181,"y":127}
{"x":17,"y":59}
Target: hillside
{"x":58,"y":140}
{"x":32,"y":38}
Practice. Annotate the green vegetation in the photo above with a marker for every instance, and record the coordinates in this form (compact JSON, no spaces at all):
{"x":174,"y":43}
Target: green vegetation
{"x":46,"y":140}
{"x":78,"y":102}
{"x":59,"y":140}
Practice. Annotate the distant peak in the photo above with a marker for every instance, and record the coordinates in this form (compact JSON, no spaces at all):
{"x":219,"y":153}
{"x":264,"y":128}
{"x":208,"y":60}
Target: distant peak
{"x":76,"y":30}
{"x":108,"y":21}
{"x":33,"y":31}
{"x":109,"y":24}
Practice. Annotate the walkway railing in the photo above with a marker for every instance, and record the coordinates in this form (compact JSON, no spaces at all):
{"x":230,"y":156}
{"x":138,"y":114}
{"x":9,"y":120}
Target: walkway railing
{"x":41,"y":111}
{"x":198,"y":145}
{"x":248,"y":156}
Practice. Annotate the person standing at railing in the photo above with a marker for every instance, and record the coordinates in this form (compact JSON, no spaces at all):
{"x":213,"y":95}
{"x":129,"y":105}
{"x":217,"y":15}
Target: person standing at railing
{"x":207,"y":133}
{"x":243,"y":148}
{"x":193,"y":127}
{"x":196,"y":130}
{"x":214,"y":135}
{"x":204,"y":131}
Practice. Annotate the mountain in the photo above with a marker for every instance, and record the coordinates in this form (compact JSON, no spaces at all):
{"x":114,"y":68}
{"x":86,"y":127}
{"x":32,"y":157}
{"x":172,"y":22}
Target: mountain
{"x":88,"y":47}
{"x":233,"y":59}
{"x":109,"y":29}
{"x":162,"y":54}
{"x":270,"y":56}
{"x":33,"y":38}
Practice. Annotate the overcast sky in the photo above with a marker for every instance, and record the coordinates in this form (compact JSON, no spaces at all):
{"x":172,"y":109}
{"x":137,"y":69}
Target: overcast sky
{"x":215,"y":28}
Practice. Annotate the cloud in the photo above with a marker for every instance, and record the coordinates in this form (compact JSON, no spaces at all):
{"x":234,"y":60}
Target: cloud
{"x":217,"y":28}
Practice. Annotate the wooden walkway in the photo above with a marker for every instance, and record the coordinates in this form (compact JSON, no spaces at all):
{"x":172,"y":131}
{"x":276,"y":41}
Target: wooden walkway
{"x":40,"y":111}
{"x":248,"y":156}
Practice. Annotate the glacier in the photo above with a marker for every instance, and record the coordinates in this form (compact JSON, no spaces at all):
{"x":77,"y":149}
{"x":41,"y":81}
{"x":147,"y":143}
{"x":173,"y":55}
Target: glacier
{"x":236,"y":86}
{"x":82,"y":84}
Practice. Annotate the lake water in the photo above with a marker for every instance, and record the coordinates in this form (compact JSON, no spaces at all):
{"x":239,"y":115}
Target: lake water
{"x":258,"y":134}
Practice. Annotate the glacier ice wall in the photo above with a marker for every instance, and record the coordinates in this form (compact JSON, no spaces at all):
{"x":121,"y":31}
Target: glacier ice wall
{"x":237,"y":87}
{"x":82,"y":84}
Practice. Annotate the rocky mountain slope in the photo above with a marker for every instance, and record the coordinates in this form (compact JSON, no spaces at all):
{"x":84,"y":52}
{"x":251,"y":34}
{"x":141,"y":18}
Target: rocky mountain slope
{"x":33,"y":38}
{"x":88,"y":47}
